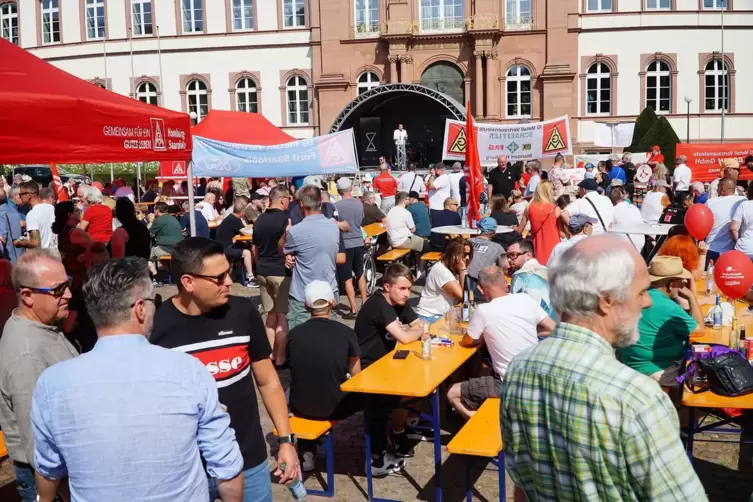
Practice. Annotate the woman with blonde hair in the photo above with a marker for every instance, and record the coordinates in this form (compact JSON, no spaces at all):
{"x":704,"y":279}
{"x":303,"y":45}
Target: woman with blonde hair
{"x":543,"y":214}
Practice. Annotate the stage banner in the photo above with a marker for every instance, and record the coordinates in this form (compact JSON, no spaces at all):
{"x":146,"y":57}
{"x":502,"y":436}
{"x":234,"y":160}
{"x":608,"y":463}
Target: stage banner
{"x":518,"y":141}
{"x":330,"y":154}
{"x":705,"y":159}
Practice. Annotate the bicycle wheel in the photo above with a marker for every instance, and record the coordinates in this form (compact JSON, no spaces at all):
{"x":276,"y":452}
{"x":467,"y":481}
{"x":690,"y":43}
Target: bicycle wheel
{"x":369,"y":273}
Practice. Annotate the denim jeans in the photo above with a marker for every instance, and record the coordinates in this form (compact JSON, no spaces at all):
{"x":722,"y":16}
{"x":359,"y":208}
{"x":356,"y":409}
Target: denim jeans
{"x":25,"y":483}
{"x":257,"y":486}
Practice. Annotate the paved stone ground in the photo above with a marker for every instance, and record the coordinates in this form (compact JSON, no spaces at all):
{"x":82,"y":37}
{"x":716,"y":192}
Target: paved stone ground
{"x":716,"y":463}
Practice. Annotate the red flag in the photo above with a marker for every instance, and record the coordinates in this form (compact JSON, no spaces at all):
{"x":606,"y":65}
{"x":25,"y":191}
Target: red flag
{"x":474,"y":180}
{"x":62,"y":193}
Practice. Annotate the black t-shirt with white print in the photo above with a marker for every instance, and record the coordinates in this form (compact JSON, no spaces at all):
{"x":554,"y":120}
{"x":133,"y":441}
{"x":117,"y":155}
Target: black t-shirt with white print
{"x":227,"y":340}
{"x":371,"y":326}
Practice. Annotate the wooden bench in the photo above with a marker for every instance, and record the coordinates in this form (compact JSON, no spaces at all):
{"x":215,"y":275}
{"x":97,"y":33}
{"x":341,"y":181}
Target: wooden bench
{"x":481,"y":436}
{"x":3,"y":449}
{"x":166,"y":259}
{"x":431,"y":256}
{"x":312,"y":430}
{"x":393,"y":255}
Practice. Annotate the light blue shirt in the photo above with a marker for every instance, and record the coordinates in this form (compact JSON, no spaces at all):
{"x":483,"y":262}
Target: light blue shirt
{"x":532,"y":183}
{"x":315,"y":242}
{"x":10,"y":228}
{"x":127,"y":421}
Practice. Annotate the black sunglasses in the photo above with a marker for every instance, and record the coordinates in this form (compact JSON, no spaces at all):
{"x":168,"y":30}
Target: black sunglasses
{"x":143,"y":299}
{"x":56,"y":292}
{"x":219,"y":279}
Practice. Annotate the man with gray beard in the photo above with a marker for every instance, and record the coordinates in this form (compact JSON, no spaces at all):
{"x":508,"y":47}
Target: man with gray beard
{"x":576,"y":423}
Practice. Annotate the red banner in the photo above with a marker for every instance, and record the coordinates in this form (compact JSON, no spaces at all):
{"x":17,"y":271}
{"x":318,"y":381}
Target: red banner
{"x":705,"y":159}
{"x":60,"y":191}
{"x":173,"y":170}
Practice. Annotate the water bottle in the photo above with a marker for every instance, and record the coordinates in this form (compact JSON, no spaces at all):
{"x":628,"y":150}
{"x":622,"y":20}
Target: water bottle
{"x":710,"y":286}
{"x":466,"y":307}
{"x":295,"y":487}
{"x":718,"y":314}
{"x":734,"y":337}
{"x":426,"y":346}
{"x":464,"y":217}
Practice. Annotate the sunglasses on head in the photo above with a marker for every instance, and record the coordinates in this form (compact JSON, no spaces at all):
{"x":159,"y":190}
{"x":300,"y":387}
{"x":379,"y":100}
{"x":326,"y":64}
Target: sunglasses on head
{"x":56,"y":291}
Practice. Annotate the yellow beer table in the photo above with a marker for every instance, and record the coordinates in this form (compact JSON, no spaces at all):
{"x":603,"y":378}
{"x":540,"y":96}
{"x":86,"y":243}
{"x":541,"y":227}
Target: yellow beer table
{"x":243,"y":238}
{"x":374,"y":229}
{"x":411,"y":377}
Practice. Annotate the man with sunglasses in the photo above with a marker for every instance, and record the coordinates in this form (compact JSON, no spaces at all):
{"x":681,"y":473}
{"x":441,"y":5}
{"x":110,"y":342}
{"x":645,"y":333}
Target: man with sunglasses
{"x":31,"y":342}
{"x":226,"y":333}
{"x":38,"y":220}
{"x":528,"y":275}
{"x":730,"y":169}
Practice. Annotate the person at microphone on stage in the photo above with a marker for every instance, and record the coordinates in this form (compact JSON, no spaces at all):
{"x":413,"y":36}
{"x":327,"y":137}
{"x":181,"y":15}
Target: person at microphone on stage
{"x":400,"y":135}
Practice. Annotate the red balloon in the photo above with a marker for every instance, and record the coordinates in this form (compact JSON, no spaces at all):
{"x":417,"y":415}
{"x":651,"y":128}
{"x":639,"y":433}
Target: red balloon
{"x":733,"y":274}
{"x":698,"y":221}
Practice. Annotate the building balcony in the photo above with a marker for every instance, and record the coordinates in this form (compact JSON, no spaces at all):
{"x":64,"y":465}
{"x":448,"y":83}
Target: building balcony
{"x":449,"y":25}
{"x":368,"y":30}
{"x":519,"y":23}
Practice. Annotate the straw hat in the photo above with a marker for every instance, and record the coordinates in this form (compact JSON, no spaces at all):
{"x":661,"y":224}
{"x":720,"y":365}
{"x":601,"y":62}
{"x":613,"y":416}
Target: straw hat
{"x":667,"y":267}
{"x":730,"y":163}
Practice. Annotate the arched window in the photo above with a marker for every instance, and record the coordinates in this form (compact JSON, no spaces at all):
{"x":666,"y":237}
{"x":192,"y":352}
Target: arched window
{"x":598,"y":89}
{"x":50,"y":21}
{"x":95,"y":19}
{"x":198,"y":99}
{"x":298,"y":100}
{"x":446,"y":78}
{"x":659,"y":86}
{"x":9,"y":22}
{"x":716,"y":86}
{"x":367,"y":80}
{"x":245,"y":95}
{"x":518,"y":82}
{"x":147,"y":92}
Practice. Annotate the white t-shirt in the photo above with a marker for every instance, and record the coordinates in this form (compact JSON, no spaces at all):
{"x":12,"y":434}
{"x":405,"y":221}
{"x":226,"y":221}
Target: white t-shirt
{"x":399,"y":224}
{"x":652,"y":207}
{"x":41,"y":218}
{"x":626,"y":213}
{"x":744,"y":214}
{"x":682,"y":177}
{"x":603,"y":205}
{"x":563,"y":246}
{"x":520,"y":210}
{"x":400,"y":136}
{"x":207,"y":210}
{"x":508,"y":325}
{"x":406,"y":183}
{"x":455,"y":184}
{"x":722,"y":208}
{"x":434,"y":300}
{"x":440,"y":192}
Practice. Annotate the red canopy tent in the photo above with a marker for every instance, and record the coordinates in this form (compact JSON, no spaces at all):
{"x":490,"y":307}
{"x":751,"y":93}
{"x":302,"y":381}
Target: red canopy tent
{"x":233,"y":127}
{"x":49,"y":115}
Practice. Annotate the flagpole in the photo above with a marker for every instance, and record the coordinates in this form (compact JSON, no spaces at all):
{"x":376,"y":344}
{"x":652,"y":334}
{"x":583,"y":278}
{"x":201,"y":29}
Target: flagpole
{"x":725,"y":74}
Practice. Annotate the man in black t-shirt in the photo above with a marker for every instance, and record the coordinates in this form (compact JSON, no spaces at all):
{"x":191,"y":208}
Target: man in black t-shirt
{"x":273,"y":276}
{"x":226,"y":333}
{"x":231,"y":226}
{"x":501,"y":179}
{"x":322,"y":355}
{"x":384,"y":319}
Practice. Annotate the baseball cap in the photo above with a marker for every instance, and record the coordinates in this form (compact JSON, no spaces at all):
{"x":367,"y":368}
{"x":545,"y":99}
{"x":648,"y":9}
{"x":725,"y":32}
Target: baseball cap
{"x":588,"y":184}
{"x":344,"y":184}
{"x":655,"y":147}
{"x":617,"y":182}
{"x":589,"y":166}
{"x":413,"y":195}
{"x":318,"y":291}
{"x":578,"y":221}
{"x":487,"y":224}
{"x":660,"y":183}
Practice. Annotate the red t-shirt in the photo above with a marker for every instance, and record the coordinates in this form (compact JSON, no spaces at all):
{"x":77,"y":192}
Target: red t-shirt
{"x":526,"y":178}
{"x":385,"y":184}
{"x":99,"y":217}
{"x":657,"y":158}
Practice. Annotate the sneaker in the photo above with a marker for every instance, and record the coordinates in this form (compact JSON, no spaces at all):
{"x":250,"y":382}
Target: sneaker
{"x":251,"y":282}
{"x":402,"y":444}
{"x":385,"y":464}
{"x":350,"y":316}
{"x":308,"y":461}
{"x":420,"y":431}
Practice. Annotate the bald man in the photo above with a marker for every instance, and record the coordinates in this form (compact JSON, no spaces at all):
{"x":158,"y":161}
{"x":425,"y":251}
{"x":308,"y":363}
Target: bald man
{"x":723,"y":208}
{"x":501,"y":179}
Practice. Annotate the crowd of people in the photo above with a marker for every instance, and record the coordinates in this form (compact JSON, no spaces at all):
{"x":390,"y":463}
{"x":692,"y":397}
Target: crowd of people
{"x":85,"y":374}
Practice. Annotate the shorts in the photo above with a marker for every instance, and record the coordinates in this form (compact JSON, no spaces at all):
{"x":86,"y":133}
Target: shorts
{"x":353,"y":265}
{"x":274,"y":293}
{"x":476,"y":390}
{"x":233,"y":253}
{"x":413,"y":242}
{"x":159,"y":251}
{"x":668,"y":376}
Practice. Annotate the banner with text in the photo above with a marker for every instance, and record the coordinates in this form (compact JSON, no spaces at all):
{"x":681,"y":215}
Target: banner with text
{"x":330,"y":154}
{"x":705,"y":159}
{"x":518,"y":141}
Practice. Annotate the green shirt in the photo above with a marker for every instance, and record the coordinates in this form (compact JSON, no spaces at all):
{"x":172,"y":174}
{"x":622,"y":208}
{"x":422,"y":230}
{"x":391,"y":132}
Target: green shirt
{"x":665,"y":328}
{"x":166,"y":230}
{"x":579,"y":425}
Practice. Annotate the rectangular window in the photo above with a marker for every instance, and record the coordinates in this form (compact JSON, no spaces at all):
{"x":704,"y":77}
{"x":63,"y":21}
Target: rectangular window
{"x":658,"y":4}
{"x":518,"y":14}
{"x":50,"y":21}
{"x":95,"y":19}
{"x":442,"y":15}
{"x":294,"y":13}
{"x":9,"y":22}
{"x":142,"y":17}
{"x":193,"y":16}
{"x":367,"y":18}
{"x":599,"y":6}
{"x":714,"y":4}
{"x":243,"y":15}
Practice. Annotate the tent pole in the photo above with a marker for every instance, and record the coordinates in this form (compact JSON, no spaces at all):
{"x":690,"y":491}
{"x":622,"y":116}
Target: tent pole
{"x":138,"y":181}
{"x":112,"y":173}
{"x":191,"y":214}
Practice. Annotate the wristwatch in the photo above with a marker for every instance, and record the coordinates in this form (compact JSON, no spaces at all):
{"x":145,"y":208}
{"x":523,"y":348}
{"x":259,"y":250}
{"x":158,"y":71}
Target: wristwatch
{"x":289,"y":439}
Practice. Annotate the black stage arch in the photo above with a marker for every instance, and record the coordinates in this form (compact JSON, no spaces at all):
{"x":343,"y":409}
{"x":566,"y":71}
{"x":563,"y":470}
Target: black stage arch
{"x":376,"y":113}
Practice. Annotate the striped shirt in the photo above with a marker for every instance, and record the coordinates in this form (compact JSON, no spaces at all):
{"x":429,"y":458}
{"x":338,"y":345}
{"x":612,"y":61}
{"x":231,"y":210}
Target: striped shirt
{"x":579,"y":425}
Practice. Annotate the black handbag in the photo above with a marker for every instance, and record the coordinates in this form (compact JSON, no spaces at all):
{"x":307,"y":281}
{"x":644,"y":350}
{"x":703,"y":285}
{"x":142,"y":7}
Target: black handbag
{"x":728,"y":374}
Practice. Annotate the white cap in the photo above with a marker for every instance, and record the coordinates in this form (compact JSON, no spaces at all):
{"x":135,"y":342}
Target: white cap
{"x":318,"y":290}
{"x":344,"y":184}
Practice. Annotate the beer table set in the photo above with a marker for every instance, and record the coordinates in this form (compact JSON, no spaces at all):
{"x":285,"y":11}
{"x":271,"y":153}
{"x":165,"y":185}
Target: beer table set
{"x":374,"y":229}
{"x":415,"y":378}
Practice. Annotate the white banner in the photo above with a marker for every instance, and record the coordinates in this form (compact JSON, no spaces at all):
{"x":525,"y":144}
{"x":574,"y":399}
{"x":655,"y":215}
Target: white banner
{"x":530,"y":141}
